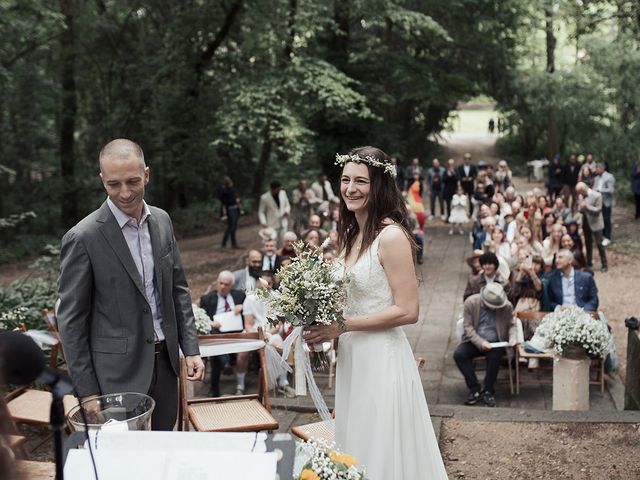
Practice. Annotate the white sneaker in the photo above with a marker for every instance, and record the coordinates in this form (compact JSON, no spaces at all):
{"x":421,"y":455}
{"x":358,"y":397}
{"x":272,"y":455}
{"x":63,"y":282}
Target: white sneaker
{"x":239,"y":390}
{"x":451,"y":232}
{"x":534,"y":363}
{"x":443,"y":217}
{"x":461,"y":231}
{"x":605,"y":242}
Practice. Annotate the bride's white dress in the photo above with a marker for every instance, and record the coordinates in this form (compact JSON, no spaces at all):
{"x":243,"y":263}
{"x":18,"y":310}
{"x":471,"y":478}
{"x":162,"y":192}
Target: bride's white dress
{"x":382,"y":417}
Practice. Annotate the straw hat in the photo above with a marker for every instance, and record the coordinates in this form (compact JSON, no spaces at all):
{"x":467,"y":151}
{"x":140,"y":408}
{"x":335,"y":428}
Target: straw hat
{"x":493,"y":296}
{"x":475,"y":254}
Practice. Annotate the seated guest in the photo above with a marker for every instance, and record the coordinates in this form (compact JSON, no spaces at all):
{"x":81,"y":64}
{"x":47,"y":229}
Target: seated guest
{"x":287,"y":251}
{"x":312,"y":238}
{"x":574,"y":233}
{"x":488,"y":318}
{"x":315,"y":223}
{"x":255,"y":315}
{"x":270,"y":259}
{"x":488,"y":224}
{"x":526,"y":293}
{"x":569,"y":287}
{"x":560,"y":210}
{"x":245,"y":279}
{"x":579,"y":261}
{"x":489,"y":264}
{"x":224,"y":299}
{"x":474,"y":264}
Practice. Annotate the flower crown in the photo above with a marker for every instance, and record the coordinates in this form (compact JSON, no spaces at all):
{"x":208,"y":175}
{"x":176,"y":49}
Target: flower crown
{"x":369,"y":159}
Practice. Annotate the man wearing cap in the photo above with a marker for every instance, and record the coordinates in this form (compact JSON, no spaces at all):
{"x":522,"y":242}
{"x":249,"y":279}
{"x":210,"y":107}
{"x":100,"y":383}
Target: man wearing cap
{"x":488,"y":318}
{"x":467,"y":174}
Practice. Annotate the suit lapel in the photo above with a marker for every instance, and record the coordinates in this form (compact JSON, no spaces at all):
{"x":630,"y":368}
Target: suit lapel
{"x":113,"y":234}
{"x":154,"y":232}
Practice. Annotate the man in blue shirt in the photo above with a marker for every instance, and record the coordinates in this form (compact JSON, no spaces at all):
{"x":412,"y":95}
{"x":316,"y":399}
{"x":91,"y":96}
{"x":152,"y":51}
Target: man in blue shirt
{"x":569,"y":287}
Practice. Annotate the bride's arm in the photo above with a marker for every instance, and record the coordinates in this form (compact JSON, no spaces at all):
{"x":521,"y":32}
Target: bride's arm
{"x":396,"y":258}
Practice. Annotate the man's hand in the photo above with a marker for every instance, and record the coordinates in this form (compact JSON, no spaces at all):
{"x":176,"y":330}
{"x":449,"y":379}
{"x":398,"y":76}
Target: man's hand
{"x":195,"y":368}
{"x":485,"y":346}
{"x":215,"y":324}
{"x":237,"y":309}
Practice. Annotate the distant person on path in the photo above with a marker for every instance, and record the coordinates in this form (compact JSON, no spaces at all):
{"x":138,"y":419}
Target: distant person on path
{"x":467,"y":174}
{"x":304,"y":203}
{"x":435,"y":176}
{"x":492,"y":125}
{"x":503,"y":178}
{"x":488,"y":318}
{"x":556,"y":177}
{"x":592,"y":223}
{"x":605,"y":183}
{"x":400,"y":180}
{"x":322,"y":188}
{"x":450,"y":185}
{"x":571,"y":174}
{"x":635,"y":187}
{"x":415,"y":200}
{"x":411,"y":170}
{"x":458,"y":215}
{"x":125,"y":309}
{"x":274,"y":210}
{"x":230,"y":209}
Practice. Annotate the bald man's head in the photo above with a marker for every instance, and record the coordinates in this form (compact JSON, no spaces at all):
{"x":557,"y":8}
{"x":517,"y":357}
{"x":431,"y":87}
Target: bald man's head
{"x":121,"y":149}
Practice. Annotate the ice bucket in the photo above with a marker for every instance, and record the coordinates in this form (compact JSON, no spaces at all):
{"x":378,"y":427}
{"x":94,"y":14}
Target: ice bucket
{"x":119,"y":411}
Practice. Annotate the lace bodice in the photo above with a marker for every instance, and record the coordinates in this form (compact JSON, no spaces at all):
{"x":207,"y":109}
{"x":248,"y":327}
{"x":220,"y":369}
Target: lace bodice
{"x":368,"y":289}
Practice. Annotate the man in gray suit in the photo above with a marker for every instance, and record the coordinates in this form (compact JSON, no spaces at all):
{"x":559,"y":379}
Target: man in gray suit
{"x":592,"y":223}
{"x":605,"y":184}
{"x":125,"y":307}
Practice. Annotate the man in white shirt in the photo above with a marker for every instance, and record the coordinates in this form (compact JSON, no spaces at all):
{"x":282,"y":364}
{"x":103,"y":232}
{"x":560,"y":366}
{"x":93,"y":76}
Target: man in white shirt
{"x":270,"y":258}
{"x":322,"y":189}
{"x":605,"y":183}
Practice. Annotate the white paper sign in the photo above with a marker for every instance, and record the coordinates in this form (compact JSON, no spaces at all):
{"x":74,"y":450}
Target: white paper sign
{"x":229,"y":322}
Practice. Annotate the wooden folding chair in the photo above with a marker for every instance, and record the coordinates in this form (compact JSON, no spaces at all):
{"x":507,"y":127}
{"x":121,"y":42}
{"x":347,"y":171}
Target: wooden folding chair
{"x":57,"y":359}
{"x":239,"y":413}
{"x":530,"y":321}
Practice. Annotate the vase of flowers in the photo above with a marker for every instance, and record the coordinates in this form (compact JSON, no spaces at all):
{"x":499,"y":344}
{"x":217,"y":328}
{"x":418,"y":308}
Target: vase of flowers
{"x":576,"y":337}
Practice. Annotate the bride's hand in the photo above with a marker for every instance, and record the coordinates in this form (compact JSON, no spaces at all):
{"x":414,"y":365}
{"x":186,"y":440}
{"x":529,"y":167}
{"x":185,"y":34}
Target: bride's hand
{"x":320,"y":333}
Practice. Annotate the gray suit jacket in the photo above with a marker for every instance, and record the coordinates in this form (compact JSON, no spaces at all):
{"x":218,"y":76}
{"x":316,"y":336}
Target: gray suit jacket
{"x":593,"y":211}
{"x":605,"y":184}
{"x":105,"y":321}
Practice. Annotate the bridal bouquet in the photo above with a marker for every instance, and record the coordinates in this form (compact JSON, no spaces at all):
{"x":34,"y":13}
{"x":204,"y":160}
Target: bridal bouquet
{"x":309,"y":294}
{"x":325,"y":463}
{"x":203,"y":322}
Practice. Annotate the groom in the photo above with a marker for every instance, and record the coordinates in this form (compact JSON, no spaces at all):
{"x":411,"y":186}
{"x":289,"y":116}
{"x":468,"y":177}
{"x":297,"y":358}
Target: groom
{"x":125,"y":307}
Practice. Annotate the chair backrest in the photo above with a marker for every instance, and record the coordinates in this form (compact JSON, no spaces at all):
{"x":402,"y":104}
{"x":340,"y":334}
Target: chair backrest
{"x":50,"y":320}
{"x":227,"y":338}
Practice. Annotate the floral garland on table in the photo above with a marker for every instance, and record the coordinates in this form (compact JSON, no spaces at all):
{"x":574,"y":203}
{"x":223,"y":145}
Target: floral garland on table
{"x":202,"y":320}
{"x":369,"y":159}
{"x":325,"y":463}
{"x":573,"y":327}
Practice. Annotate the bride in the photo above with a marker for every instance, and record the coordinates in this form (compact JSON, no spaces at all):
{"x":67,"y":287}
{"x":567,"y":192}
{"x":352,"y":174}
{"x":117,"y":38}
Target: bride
{"x":382,"y":416}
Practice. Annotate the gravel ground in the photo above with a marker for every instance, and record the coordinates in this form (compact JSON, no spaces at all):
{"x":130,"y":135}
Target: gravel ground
{"x":497,"y":450}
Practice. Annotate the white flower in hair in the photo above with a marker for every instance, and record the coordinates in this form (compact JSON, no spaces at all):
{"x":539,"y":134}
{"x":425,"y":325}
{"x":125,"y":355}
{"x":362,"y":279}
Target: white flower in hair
{"x":369,"y":159}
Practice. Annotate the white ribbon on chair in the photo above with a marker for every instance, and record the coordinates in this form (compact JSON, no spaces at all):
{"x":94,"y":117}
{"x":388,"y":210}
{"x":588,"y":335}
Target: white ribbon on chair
{"x":303,"y":373}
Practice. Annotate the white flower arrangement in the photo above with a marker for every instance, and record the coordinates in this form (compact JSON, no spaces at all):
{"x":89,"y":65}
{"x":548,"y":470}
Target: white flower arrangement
{"x":203,"y":322}
{"x":369,"y":159}
{"x":573,"y":327}
{"x":13,"y":318}
{"x":326,"y":463}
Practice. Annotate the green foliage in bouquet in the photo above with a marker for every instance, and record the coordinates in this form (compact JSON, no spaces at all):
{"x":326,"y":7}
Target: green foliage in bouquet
{"x":311,"y":291}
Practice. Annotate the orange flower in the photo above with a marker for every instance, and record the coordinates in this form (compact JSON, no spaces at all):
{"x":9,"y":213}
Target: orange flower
{"x":308,"y":474}
{"x":347,"y":460}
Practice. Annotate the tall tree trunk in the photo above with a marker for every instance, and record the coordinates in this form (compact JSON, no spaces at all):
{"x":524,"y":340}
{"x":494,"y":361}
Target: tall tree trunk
{"x":69,"y":107}
{"x":552,"y":125}
{"x":341,"y":36}
{"x":263,"y":161}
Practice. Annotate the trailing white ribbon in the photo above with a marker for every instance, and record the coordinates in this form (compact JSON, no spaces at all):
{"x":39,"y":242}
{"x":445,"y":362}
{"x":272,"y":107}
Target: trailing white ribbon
{"x":303,"y":373}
